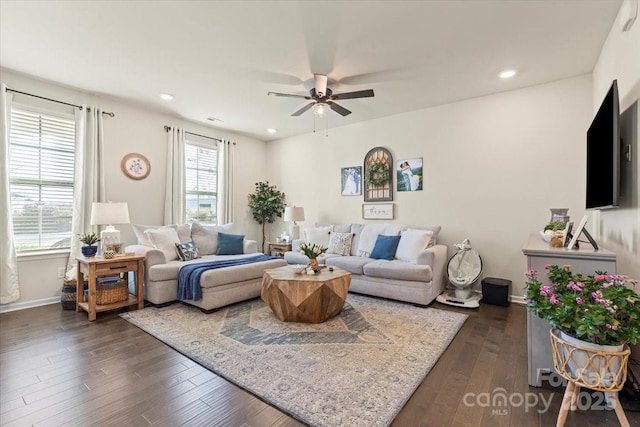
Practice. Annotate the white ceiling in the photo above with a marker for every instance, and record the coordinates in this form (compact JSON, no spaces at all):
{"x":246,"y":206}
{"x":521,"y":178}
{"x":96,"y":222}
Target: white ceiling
{"x":221,"y":58}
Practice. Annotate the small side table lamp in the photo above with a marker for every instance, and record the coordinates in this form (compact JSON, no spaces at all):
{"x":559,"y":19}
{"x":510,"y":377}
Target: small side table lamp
{"x":294,"y":213}
{"x":109,"y":214}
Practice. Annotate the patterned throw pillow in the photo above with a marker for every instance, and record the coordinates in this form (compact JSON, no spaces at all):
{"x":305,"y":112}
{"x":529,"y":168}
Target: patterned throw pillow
{"x":187,"y":251}
{"x":340,"y":243}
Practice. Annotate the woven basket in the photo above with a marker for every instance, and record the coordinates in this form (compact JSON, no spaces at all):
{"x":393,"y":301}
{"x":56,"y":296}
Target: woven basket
{"x":112,"y":292}
{"x":68,"y":294}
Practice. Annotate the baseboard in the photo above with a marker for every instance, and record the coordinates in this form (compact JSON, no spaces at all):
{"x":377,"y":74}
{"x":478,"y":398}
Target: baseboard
{"x":5,"y":308}
{"x":517,"y":300}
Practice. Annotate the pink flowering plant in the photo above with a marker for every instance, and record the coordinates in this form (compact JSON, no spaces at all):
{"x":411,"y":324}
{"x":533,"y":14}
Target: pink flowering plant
{"x":600,"y":308}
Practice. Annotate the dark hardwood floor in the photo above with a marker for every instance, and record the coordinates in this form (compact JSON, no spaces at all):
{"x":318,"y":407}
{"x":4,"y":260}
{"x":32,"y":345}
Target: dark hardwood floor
{"x":57,"y":368}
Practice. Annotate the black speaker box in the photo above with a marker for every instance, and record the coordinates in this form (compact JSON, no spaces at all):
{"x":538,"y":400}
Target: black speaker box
{"x":496,"y":291}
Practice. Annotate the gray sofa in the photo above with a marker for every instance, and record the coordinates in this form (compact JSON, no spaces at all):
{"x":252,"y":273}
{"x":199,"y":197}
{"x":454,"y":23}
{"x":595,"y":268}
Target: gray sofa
{"x":415,"y":276}
{"x":219,"y":287}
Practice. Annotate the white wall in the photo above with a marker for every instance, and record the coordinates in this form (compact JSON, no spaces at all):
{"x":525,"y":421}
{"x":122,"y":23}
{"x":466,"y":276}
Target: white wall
{"x":133,"y":129}
{"x":619,"y":229}
{"x":493,"y":167}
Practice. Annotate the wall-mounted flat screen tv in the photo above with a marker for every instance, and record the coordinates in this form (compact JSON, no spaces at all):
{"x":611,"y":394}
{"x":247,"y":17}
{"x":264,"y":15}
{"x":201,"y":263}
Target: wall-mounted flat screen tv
{"x":603,"y":154}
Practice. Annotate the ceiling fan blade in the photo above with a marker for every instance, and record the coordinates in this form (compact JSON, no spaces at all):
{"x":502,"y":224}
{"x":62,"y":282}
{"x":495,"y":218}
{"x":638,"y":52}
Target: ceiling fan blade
{"x":351,"y":95}
{"x":303,"y":109}
{"x":288,"y":95}
{"x":338,"y":108}
{"x":320,"y":84}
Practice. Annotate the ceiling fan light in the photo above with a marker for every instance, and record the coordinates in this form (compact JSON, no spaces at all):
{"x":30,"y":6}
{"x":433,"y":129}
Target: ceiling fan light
{"x":320,"y":109}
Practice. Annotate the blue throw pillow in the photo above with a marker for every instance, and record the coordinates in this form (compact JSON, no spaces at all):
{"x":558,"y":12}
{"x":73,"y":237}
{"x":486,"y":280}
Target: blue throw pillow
{"x":230,"y":244}
{"x":385,"y":247}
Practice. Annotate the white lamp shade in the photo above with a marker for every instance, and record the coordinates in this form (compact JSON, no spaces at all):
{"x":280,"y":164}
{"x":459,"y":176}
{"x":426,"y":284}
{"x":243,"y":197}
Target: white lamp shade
{"x":294,"y":213}
{"x":109,"y":213}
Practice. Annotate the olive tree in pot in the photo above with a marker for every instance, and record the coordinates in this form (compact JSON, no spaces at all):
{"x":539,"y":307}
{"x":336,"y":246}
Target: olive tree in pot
{"x":266,"y":204}
{"x":89,"y":239}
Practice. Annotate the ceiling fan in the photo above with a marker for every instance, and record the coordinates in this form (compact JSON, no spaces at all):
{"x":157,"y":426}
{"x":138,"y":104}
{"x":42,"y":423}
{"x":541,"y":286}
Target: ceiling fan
{"x":323,"y":98}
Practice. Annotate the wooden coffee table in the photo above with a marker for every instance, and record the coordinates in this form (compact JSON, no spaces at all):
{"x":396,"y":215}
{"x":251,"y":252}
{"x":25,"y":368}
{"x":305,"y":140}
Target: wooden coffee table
{"x":305,"y":298}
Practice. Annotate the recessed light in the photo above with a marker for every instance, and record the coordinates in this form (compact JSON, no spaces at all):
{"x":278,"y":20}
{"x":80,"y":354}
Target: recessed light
{"x":272,"y":130}
{"x":506,"y":74}
{"x":166,"y":96}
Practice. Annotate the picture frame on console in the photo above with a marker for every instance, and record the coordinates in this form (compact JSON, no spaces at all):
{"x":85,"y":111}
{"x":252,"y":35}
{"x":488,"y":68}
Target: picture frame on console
{"x":573,"y":243}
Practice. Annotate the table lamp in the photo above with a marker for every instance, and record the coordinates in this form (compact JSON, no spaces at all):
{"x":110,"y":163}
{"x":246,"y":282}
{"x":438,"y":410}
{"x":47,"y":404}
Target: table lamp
{"x":294,"y":213}
{"x":108,"y":214}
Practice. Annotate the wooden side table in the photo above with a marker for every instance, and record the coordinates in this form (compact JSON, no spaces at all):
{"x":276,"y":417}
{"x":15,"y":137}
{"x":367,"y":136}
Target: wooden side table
{"x":278,"y":248}
{"x":98,"y":266}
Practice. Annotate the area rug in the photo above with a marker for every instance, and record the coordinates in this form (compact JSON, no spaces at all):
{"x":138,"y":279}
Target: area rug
{"x":357,"y":369}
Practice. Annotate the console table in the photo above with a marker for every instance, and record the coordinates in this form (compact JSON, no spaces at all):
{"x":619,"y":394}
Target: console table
{"x":585,"y":260}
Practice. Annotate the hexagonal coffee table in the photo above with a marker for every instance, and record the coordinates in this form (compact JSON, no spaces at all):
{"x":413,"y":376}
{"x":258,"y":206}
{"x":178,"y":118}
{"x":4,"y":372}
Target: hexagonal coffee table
{"x":305,"y":298}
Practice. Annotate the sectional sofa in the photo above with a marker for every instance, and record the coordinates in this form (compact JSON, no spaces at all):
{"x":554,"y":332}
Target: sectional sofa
{"x":219,"y":287}
{"x":413,"y":273}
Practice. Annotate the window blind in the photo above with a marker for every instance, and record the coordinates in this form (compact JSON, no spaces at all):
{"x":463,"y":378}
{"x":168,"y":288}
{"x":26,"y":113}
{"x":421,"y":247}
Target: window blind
{"x":201,"y":182}
{"x":41,"y":170}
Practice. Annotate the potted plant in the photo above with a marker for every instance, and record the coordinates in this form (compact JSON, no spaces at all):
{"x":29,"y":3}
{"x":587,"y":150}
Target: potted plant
{"x":89,"y":239}
{"x":599,"y":312}
{"x":266,"y":204}
{"x":312,"y":251}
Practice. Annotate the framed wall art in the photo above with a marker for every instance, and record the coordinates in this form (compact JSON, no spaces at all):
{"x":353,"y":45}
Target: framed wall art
{"x":135,"y":166}
{"x":377,"y":211}
{"x":409,"y":174}
{"x":351,"y":181}
{"x":378,"y":175}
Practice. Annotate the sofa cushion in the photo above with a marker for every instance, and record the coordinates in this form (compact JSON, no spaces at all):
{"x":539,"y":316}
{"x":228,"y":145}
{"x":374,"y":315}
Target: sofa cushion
{"x":164,"y":239}
{"x":206,"y":236}
{"x":187,"y":251}
{"x":139,"y":230}
{"x":230,"y":244}
{"x":340,"y":243}
{"x":318,"y":235}
{"x":385,"y":247}
{"x":370,"y":233}
{"x":352,"y":264}
{"x":356,"y":230}
{"x":398,"y":270}
{"x":412,"y":242}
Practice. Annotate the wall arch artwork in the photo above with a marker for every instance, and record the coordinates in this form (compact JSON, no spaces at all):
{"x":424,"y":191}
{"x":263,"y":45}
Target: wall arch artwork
{"x":378,"y":175}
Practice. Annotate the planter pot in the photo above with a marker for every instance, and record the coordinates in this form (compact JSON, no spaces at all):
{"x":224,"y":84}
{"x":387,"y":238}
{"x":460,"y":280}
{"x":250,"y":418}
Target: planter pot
{"x":89,"y":251}
{"x":593,"y":365}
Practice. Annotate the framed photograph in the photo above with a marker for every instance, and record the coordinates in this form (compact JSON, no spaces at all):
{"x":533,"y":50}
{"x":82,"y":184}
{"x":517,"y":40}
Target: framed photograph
{"x":351,"y":181}
{"x":377,"y":211}
{"x":579,"y":230}
{"x":113,"y":249}
{"x":409,"y":174}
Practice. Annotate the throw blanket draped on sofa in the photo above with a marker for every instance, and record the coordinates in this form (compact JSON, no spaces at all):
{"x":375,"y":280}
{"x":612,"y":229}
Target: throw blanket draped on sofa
{"x":189,"y":275}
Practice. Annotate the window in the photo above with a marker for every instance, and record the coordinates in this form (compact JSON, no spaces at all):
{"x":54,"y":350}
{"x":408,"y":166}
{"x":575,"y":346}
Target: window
{"x":201,"y":181}
{"x":41,"y":169}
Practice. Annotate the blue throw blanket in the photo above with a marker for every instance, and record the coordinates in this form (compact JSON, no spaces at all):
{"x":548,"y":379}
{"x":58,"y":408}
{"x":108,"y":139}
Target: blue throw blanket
{"x":189,"y":275}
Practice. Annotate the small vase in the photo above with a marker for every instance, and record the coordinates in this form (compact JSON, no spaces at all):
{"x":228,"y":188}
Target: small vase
{"x":313,"y":264}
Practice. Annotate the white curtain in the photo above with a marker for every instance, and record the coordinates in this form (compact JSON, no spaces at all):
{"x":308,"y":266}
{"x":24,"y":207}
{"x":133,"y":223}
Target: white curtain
{"x":9,"y":285}
{"x":174,"y":190}
{"x":89,"y":184}
{"x":225,"y":182}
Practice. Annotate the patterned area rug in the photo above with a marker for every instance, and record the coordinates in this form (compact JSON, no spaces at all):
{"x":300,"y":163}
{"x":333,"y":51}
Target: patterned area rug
{"x":357,"y":369}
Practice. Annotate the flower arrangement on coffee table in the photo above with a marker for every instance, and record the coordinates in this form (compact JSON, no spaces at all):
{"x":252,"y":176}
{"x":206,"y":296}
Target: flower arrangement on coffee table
{"x":312,"y":251}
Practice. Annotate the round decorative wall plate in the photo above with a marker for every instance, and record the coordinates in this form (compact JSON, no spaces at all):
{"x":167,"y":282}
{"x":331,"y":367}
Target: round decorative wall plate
{"x":135,"y":166}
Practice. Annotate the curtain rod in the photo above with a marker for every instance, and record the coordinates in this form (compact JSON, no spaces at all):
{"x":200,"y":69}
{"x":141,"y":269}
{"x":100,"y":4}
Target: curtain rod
{"x":167,"y":128}
{"x":59,"y":102}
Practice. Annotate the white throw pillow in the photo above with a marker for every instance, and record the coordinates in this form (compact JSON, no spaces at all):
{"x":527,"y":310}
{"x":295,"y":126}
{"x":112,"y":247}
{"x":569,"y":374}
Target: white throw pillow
{"x":165,"y":239}
{"x":340,"y":243}
{"x":412,"y":242}
{"x":139,"y":230}
{"x":370,"y":233}
{"x":206,"y":236}
{"x":318,"y":235}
